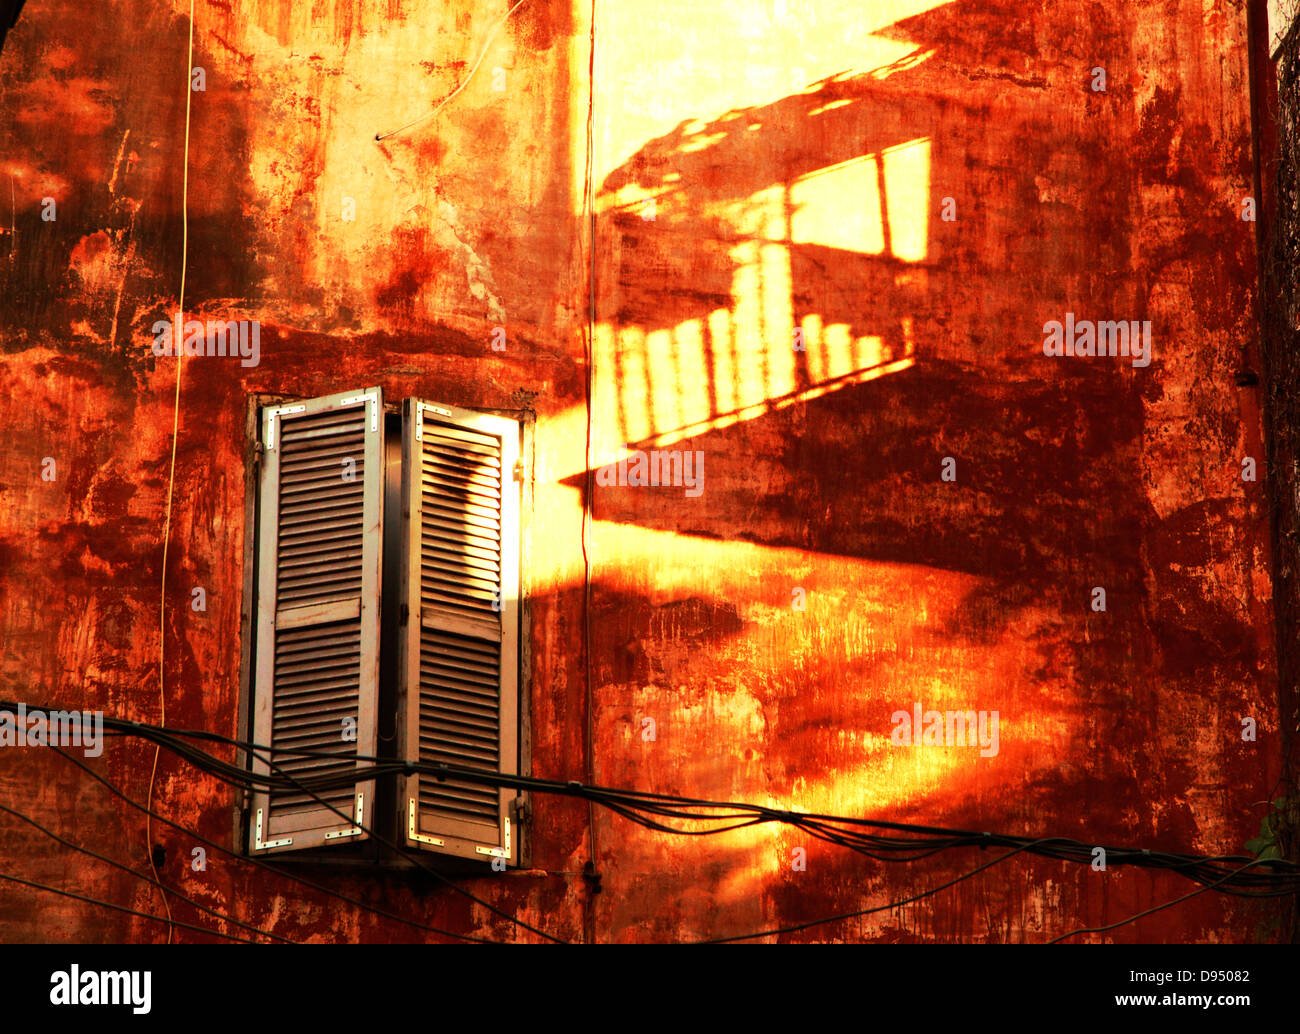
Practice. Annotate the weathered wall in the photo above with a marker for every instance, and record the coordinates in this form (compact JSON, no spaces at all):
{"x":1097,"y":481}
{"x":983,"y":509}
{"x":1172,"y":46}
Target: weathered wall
{"x":798,"y":165}
{"x":460,"y":225}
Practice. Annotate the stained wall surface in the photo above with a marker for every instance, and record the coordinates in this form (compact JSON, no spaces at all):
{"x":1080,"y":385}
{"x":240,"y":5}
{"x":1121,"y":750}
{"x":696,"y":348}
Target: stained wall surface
{"x":825,"y":249}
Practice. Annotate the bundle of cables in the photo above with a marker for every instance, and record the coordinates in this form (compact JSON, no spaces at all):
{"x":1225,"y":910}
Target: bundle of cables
{"x":689,"y":816}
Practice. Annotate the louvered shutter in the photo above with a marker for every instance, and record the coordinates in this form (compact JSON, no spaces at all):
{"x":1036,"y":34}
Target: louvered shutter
{"x":316,"y":687}
{"x":460,"y":635}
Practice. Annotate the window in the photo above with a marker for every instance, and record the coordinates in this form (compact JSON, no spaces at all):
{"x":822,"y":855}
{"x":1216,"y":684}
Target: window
{"x":386,"y":621}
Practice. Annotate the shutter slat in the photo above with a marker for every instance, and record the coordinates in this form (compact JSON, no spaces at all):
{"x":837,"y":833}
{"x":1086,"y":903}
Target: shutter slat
{"x":321,"y":513}
{"x":315,"y":687}
{"x":473,"y":492}
{"x":320,"y":438}
{"x":315,"y":655}
{"x":329,"y":497}
{"x":462,"y":561}
{"x":342,"y":555}
{"x":448,"y":515}
{"x":484,"y":549}
{"x":437,"y":431}
{"x":452,"y":661}
{"x":323,"y":585}
{"x":308,"y":544}
{"x":466,"y":509}
{"x":441,"y":578}
{"x":484,"y":453}
{"x":485,"y":482}
{"x":463,"y":721}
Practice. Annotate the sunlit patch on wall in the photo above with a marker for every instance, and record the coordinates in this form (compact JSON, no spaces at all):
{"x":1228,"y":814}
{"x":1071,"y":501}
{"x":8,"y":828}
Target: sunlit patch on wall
{"x":874,"y":204}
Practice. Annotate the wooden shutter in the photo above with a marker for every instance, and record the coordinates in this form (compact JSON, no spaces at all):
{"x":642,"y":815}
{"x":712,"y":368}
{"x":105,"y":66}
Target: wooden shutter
{"x":459,"y":681}
{"x":320,"y":516}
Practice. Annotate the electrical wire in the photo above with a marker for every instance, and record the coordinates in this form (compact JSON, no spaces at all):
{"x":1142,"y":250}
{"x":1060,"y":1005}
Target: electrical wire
{"x":264,"y":754}
{"x":829,"y":828}
{"x":141,"y":876}
{"x":1151,"y":911}
{"x":264,"y":865}
{"x":122,"y":908}
{"x":588,"y":500}
{"x":879,"y":839}
{"x":171,"y":473}
{"x":236,"y":776}
{"x":865,"y":911}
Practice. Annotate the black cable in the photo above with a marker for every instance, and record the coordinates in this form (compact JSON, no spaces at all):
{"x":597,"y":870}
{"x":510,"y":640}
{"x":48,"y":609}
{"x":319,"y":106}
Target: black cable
{"x":123,"y":908}
{"x":865,"y":911}
{"x":640,"y":806}
{"x":348,"y":779}
{"x":143,"y":876}
{"x":663,"y":804}
{"x":164,"y":738}
{"x":1197,"y":868}
{"x":261,"y":864}
{"x":352,"y":820}
{"x":1149,"y":911}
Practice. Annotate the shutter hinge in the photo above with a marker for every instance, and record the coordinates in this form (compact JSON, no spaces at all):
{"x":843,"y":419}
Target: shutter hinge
{"x":278,"y":412}
{"x":412,"y":830}
{"x":498,"y":852}
{"x":521,"y":810}
{"x":519,"y":470}
{"x":356,"y":830}
{"x":261,"y":845}
{"x":371,"y":399}
{"x":420,"y":407}
{"x":403,"y":615}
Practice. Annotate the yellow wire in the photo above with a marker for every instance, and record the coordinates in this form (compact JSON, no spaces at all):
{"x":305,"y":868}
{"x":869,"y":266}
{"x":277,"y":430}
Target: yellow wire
{"x":171,"y":475}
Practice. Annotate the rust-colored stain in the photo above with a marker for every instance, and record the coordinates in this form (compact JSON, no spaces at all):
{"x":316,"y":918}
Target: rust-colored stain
{"x":826,"y":246}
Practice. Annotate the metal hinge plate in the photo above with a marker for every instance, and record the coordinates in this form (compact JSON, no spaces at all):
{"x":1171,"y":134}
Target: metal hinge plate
{"x":498,"y":852}
{"x":259,"y":844}
{"x":372,"y":400}
{"x":412,"y":833}
{"x":359,"y":820}
{"x":272,"y":415}
{"x":420,"y":407}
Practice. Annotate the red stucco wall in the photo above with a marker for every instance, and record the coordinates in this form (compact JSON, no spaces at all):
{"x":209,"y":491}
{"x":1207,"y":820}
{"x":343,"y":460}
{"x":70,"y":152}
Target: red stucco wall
{"x":799,"y":165}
